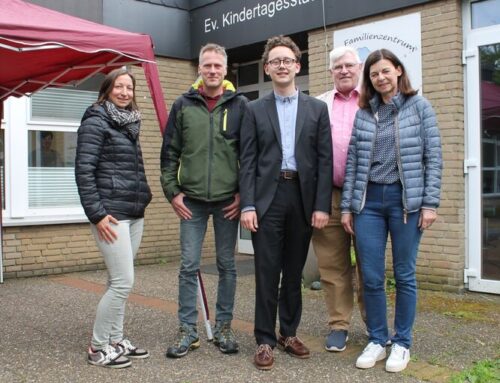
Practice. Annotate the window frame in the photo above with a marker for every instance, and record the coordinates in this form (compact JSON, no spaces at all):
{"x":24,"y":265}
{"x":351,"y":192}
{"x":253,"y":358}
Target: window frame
{"x":17,"y":124}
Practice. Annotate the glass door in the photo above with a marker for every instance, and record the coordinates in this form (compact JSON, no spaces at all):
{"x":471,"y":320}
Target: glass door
{"x":483,"y":154}
{"x":489,"y":56}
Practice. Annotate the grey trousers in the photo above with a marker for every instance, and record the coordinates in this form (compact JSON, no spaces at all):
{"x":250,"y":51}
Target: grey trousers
{"x":119,"y":258}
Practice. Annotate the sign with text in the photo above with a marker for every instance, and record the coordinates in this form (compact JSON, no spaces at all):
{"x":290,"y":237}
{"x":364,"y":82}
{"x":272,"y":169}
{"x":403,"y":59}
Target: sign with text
{"x":401,"y":35}
{"x":236,"y":23}
{"x":246,"y":14}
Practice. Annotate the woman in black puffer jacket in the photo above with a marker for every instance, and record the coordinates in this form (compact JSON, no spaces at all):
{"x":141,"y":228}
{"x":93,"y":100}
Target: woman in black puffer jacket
{"x":114,"y":193}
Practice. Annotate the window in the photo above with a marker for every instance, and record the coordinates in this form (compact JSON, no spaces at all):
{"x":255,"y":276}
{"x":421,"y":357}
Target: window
{"x":490,"y":118}
{"x":485,"y":13}
{"x":51,"y":168}
{"x":253,"y":95}
{"x":248,"y":74}
{"x":40,"y":147}
{"x":491,"y":166}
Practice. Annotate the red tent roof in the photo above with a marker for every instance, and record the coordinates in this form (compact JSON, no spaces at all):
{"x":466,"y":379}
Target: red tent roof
{"x":40,"y":47}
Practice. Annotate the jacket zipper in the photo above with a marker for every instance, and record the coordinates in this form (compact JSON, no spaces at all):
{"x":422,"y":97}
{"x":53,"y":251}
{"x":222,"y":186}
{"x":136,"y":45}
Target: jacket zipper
{"x":400,"y":168}
{"x":370,"y":163}
{"x":137,"y":180}
{"x":210,"y":152}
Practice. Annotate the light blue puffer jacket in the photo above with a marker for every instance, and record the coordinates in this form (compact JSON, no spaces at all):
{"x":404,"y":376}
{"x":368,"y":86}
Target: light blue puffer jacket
{"x":418,"y":151}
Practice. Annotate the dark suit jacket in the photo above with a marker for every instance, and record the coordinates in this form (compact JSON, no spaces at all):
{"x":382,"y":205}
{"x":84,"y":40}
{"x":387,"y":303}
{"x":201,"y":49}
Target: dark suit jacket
{"x":261,"y":154}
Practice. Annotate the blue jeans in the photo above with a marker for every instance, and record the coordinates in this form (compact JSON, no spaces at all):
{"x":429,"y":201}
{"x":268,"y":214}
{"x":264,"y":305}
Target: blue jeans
{"x":383,"y":215}
{"x":192,"y":235}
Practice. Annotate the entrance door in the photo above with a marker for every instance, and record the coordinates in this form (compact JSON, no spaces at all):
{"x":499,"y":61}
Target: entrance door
{"x":483,"y":155}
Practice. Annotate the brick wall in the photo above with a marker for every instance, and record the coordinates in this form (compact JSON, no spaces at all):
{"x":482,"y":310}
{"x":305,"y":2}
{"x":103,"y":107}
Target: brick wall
{"x":37,"y":250}
{"x":52,"y":249}
{"x":441,"y":258}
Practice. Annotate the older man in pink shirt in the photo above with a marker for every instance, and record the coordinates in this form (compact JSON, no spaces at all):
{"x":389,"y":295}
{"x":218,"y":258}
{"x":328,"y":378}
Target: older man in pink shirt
{"x":332,"y":244}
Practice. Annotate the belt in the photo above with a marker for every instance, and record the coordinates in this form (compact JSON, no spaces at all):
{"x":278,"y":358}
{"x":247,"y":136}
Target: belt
{"x":289,"y":174}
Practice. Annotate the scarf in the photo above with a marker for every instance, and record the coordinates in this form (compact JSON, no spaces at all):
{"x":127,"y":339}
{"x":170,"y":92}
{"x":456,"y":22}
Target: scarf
{"x":127,"y":120}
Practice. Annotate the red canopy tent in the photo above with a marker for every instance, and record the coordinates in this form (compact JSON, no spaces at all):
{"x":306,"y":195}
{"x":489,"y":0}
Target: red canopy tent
{"x":42,"y":48}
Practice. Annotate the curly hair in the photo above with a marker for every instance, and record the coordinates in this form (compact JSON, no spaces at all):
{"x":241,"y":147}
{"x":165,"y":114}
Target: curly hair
{"x":280,"y":41}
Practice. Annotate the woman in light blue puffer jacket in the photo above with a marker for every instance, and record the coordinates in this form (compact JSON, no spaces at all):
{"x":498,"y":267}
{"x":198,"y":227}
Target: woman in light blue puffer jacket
{"x":392,"y":186}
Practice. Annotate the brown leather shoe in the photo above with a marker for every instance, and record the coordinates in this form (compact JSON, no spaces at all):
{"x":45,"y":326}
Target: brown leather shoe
{"x":264,"y":359}
{"x":294,"y":347}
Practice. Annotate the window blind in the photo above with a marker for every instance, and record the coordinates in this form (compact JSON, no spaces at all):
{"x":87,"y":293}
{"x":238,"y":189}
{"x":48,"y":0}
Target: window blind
{"x":52,"y":187}
{"x":61,"y":104}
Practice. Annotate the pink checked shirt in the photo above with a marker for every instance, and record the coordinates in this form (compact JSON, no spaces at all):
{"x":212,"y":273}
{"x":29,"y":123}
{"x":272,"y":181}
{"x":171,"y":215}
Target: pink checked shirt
{"x":342,"y":111}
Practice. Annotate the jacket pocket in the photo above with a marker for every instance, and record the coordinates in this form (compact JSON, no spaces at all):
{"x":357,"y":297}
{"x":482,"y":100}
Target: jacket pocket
{"x":227,"y":127}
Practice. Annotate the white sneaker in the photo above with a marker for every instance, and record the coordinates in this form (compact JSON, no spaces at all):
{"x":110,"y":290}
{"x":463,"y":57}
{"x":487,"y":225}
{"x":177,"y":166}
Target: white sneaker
{"x":371,"y":355}
{"x":107,"y":357}
{"x":398,"y":360}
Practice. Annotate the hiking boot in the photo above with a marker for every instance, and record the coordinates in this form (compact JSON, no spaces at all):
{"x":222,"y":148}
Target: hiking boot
{"x":107,"y":357}
{"x":336,"y":340}
{"x":398,"y":359}
{"x":224,"y":338}
{"x":127,"y":349}
{"x":371,"y":355}
{"x":187,"y":339}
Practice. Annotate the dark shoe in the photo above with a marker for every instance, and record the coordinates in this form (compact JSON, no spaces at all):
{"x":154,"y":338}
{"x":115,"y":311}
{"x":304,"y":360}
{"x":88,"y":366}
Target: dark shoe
{"x":224,"y":338}
{"x":264,"y":359}
{"x":335,"y":341}
{"x":187,"y":339}
{"x":107,"y":357}
{"x":294,"y":347}
{"x":130,"y":351}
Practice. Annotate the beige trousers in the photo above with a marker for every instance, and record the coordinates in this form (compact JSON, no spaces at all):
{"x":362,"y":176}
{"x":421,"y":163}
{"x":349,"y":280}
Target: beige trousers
{"x":332,"y":246}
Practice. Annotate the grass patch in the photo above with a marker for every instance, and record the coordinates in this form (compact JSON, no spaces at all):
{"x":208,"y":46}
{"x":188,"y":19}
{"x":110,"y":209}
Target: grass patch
{"x":483,"y":371}
{"x":464,"y":315}
{"x":390,"y":285}
{"x":458,"y":307}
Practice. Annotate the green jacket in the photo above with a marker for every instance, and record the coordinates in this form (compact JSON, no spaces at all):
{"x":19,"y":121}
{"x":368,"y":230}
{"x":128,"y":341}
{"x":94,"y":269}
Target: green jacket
{"x":200,"y":151}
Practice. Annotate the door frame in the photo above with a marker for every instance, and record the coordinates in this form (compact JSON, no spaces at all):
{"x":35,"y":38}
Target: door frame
{"x":473,"y":39}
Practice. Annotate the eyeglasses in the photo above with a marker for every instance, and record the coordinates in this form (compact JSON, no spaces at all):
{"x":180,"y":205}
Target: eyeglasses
{"x":347,"y":66}
{"x":287,"y":62}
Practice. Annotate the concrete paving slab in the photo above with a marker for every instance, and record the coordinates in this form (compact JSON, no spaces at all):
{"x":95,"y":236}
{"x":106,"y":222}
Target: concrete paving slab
{"x":46,"y":325}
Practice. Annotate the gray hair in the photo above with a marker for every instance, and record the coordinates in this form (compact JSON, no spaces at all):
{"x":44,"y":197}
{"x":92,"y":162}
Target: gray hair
{"x":215,"y":48}
{"x":339,"y":52}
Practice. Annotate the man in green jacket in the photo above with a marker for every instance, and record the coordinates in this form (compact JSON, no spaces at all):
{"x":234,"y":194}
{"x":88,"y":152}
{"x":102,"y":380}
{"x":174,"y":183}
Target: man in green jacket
{"x":199,"y":176}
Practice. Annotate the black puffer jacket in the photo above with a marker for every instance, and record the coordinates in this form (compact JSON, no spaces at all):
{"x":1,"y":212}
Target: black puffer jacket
{"x":109,"y":169}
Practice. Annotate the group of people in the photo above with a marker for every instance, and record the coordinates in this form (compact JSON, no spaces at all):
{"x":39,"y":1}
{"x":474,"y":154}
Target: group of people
{"x":351,"y":166}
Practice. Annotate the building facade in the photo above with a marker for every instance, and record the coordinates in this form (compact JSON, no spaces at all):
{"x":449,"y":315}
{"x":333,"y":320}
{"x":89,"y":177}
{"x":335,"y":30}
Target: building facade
{"x":452,"y":50}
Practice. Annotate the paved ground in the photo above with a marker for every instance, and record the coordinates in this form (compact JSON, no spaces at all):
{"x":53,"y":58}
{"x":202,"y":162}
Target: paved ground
{"x":46,"y":324}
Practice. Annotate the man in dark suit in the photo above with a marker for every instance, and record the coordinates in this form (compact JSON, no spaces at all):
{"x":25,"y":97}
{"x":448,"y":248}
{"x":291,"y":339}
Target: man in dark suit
{"x":285,"y":189}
